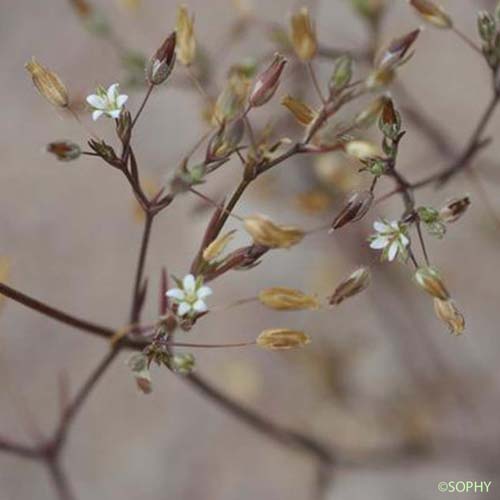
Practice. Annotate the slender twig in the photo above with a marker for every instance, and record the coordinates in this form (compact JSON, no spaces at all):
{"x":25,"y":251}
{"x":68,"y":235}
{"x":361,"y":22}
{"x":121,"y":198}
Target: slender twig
{"x":60,"y":480}
{"x":314,"y":80}
{"x":422,"y":242}
{"x":467,"y":40}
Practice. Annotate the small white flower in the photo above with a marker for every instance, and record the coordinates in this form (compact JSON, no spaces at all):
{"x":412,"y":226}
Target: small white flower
{"x":107,"y":102}
{"x":392,"y":237}
{"x":190,"y":298}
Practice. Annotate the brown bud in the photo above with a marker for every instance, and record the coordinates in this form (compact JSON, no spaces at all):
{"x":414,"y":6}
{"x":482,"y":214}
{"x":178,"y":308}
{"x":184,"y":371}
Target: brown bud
{"x":161,"y":64}
{"x":266,"y":233}
{"x":393,"y":55}
{"x":277,"y":339}
{"x":287,"y":299}
{"x":429,"y":280}
{"x":302,"y":35}
{"x":432,"y":13}
{"x":267,"y":82}
{"x":447,"y":311}
{"x":356,"y":207}
{"x":354,"y":284}
{"x":454,"y":209}
{"x":64,"y":150}
{"x":48,"y":84}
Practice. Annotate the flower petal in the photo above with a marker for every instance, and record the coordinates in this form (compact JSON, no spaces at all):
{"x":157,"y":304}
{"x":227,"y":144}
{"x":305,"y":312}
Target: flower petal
{"x":112,"y":92}
{"x":393,"y":250}
{"x":378,"y":243}
{"x":122,"y":99}
{"x":189,"y":283}
{"x":404,"y":240}
{"x":380,"y":227}
{"x":176,"y":293}
{"x":204,"y":291}
{"x":200,"y":306}
{"x":96,"y":102}
{"x":96,"y":114}
{"x":115,"y":113}
{"x":183,"y":309}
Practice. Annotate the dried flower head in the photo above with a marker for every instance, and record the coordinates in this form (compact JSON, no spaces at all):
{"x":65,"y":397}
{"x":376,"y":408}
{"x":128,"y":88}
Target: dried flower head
{"x":186,"y":42}
{"x":48,"y":84}
{"x":266,"y":84}
{"x":447,"y":311}
{"x":267,"y":233}
{"x":190,"y":296}
{"x":354,"y":284}
{"x":430,"y":280}
{"x":302,"y":35}
{"x":161,"y":64}
{"x":64,"y":150}
{"x":454,"y":209}
{"x":214,"y":249}
{"x":300,"y":111}
{"x":277,"y":339}
{"x":356,"y":207}
{"x":107,"y":102}
{"x":287,"y":299}
{"x":432,"y":13}
{"x":392,"y":238}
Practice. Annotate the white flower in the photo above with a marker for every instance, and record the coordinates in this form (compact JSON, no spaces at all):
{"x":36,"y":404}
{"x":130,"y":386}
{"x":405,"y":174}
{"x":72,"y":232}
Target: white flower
{"x":107,"y":102}
{"x":391,"y":237}
{"x":190,"y":297}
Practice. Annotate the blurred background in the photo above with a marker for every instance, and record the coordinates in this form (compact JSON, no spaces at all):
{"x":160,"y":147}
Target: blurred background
{"x":403,"y":403}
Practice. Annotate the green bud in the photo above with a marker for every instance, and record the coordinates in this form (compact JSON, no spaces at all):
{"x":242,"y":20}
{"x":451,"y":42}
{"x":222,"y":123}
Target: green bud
{"x":377,"y":168}
{"x":486,"y":26}
{"x":342,"y":74}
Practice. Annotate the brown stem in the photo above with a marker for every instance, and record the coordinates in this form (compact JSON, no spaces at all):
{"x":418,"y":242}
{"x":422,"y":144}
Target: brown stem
{"x":60,"y":480}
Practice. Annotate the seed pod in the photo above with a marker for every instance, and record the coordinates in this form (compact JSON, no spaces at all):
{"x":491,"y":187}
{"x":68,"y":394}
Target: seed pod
{"x":300,"y":111}
{"x":277,"y":339}
{"x":266,"y":233}
{"x":429,"y":280}
{"x":186,"y":42}
{"x":231,"y":99}
{"x":390,"y":120}
{"x":217,"y":246}
{"x":454,"y":209}
{"x":393,"y":55}
{"x":354,"y":284}
{"x":287,"y":299}
{"x":48,"y":84}
{"x":302,"y":35}
{"x":64,"y":150}
{"x":447,"y":311}
{"x":432,"y":13}
{"x":124,"y":126}
{"x":161,"y":64}
{"x":225,"y":140}
{"x":267,"y":82}
{"x":342,"y":74}
{"x":356,"y":207}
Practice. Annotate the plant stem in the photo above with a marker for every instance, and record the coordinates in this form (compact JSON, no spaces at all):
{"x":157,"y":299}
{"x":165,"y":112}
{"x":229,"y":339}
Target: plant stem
{"x":60,"y":480}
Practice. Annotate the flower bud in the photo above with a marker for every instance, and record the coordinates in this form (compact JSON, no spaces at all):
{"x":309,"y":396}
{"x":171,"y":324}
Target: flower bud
{"x":300,"y":111}
{"x":447,"y":312}
{"x":390,"y":120}
{"x":342,"y":74}
{"x":48,"y":84}
{"x":393,"y":55}
{"x":231,"y":99}
{"x":432,"y":13}
{"x":214,"y":249}
{"x":64,"y":150}
{"x":267,"y":82}
{"x":161,"y":64}
{"x":486,"y":26}
{"x":225,"y":140}
{"x":354,"y":284}
{"x":369,"y":115}
{"x":454,"y":209}
{"x":186,"y":42}
{"x":302,"y":35}
{"x":287,"y":299}
{"x":277,"y":339}
{"x":429,"y":280}
{"x":106,"y":152}
{"x":356,"y":207}
{"x":266,"y":233}
{"x":124,"y":126}
{"x":183,"y":364}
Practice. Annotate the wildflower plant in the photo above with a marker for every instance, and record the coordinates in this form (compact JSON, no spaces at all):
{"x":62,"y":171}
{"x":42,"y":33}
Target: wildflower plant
{"x":233,"y":137}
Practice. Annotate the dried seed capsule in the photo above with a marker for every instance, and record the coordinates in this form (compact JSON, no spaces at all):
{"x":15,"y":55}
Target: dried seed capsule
{"x":354,"y":284}
{"x":161,"y":64}
{"x":267,"y":82}
{"x":432,"y":13}
{"x":429,"y":280}
{"x":356,"y":207}
{"x":393,"y":54}
{"x":300,"y":111}
{"x":447,"y":311}
{"x":390,"y":120}
{"x":186,"y":42}
{"x":217,"y":246}
{"x":277,"y":339}
{"x":48,"y":84}
{"x":302,"y":35}
{"x":267,"y":233}
{"x":454,"y":209}
{"x":287,"y":299}
{"x":64,"y":150}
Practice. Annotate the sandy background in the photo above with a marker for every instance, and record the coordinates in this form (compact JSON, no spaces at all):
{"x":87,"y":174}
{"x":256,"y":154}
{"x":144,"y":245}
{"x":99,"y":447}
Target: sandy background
{"x":72,"y":239}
